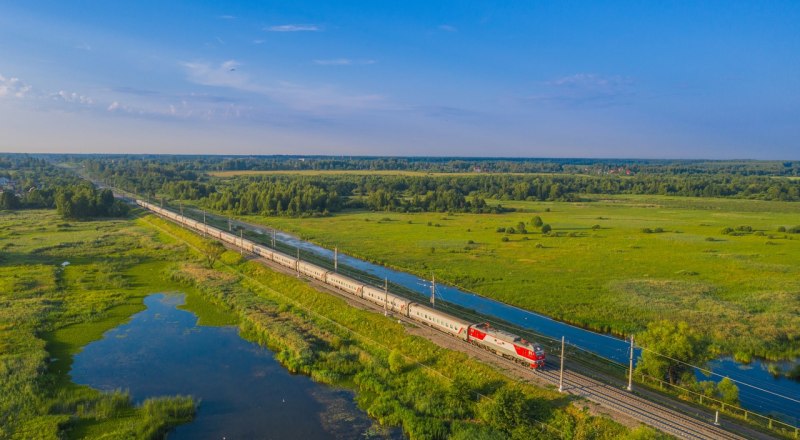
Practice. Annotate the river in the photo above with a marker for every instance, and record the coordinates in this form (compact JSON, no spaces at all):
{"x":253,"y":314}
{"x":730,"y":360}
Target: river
{"x":759,"y":391}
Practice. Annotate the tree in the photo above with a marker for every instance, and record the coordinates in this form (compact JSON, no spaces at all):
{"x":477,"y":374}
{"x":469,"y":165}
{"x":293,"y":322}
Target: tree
{"x":668,"y":347}
{"x":510,"y":412}
{"x":546,"y":228}
{"x":537,"y":221}
{"x":8,"y":200}
{"x":213,"y":250}
{"x":396,"y":361}
{"x":728,"y":391}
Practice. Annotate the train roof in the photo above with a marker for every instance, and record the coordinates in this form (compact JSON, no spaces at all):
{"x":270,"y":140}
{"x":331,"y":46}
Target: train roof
{"x":505,"y":336}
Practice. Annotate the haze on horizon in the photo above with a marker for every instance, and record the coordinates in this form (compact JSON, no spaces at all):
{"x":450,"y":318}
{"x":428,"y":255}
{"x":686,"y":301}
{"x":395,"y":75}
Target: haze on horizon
{"x":718,"y":79}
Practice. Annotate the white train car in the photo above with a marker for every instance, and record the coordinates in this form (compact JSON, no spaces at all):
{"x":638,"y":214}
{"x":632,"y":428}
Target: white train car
{"x":312,"y":270}
{"x":439,"y":320}
{"x":495,"y":340}
{"x":284,"y":260}
{"x":392,"y":303}
{"x":263,"y":252}
{"x":349,"y":285}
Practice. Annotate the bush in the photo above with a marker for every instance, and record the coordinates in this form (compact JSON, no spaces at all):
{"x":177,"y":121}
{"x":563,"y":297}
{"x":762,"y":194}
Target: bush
{"x":595,"y":227}
{"x":546,"y":228}
{"x":726,"y":231}
{"x":504,"y":239}
{"x":647,"y":230}
{"x":501,"y":229}
{"x":781,"y":228}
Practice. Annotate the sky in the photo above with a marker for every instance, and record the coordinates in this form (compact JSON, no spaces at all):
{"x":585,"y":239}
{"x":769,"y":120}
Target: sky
{"x":622,"y":79}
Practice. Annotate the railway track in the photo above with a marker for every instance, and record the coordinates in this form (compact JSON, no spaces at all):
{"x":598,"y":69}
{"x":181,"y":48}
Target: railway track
{"x":665,"y":419}
{"x":645,"y":411}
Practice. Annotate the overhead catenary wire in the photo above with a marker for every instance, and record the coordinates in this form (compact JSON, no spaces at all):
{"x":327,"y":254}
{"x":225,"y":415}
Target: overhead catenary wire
{"x":463,"y":311}
{"x":358,"y":334}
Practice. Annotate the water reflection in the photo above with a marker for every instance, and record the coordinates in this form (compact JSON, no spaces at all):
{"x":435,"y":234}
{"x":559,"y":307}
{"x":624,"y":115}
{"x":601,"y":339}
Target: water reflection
{"x":244,"y":392}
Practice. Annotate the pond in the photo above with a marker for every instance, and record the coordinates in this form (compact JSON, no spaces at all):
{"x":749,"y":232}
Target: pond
{"x":244,"y":392}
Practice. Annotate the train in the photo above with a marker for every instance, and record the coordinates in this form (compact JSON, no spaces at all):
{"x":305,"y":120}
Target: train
{"x":484,"y":335}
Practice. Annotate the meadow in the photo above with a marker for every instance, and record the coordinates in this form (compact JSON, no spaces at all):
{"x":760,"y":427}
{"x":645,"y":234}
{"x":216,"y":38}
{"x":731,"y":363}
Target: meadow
{"x":399,"y":379}
{"x":610,"y":263}
{"x":62,"y":285}
{"x":50,"y":310}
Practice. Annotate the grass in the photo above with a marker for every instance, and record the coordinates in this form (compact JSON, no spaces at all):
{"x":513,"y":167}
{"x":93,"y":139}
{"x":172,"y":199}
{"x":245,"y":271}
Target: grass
{"x":50,"y":310}
{"x":399,"y":379}
{"x":740,"y":290}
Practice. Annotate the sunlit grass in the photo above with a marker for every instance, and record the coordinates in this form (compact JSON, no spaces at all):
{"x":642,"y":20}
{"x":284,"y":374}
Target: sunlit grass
{"x":598,"y":269}
{"x":49,"y":310}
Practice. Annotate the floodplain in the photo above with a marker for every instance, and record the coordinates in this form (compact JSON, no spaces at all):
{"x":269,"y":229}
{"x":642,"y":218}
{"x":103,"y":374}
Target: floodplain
{"x":610,"y":263}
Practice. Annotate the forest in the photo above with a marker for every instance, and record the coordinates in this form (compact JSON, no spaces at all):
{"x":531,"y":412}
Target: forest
{"x":450,"y":190}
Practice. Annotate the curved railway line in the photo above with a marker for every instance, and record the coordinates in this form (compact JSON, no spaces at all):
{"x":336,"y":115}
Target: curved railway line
{"x":657,"y":415}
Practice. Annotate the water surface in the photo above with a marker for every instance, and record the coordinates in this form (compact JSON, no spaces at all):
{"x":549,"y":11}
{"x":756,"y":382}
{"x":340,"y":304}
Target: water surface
{"x":244,"y":392}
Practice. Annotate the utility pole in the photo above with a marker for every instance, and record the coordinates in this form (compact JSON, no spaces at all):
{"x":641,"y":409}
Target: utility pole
{"x":273,"y":238}
{"x":386,"y":297}
{"x":230,"y":226}
{"x":184,"y":218}
{"x":336,"y":259}
{"x":297,"y":264}
{"x":241,"y":241}
{"x":630,"y":368}
{"x":561,"y":374}
{"x":205,"y":226}
{"x":433,"y":291}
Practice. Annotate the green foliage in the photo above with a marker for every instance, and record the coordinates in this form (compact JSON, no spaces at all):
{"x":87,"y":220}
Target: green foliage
{"x":429,"y":391}
{"x":396,"y":361}
{"x":546,"y":228}
{"x":619,"y":279}
{"x":9,"y":200}
{"x":84,"y":201}
{"x":668,"y":347}
{"x":537,"y":221}
{"x":48,"y":312}
{"x":728,"y":391}
{"x":509,"y":411}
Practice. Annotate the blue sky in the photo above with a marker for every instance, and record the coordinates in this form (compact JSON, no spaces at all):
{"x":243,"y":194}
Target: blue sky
{"x":527,"y":78}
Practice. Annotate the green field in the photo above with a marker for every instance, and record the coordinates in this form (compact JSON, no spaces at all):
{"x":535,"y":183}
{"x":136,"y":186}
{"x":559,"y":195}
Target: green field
{"x":50,"y":310}
{"x":598,"y":268}
{"x":399,"y":379}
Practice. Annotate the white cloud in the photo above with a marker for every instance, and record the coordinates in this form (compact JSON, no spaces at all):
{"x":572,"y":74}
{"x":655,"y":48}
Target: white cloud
{"x":342,"y":62}
{"x":448,"y":28}
{"x":300,"y":97}
{"x":294,"y":28}
{"x":72,"y":98}
{"x":114,"y":106}
{"x":227,"y":17}
{"x":13,"y":87}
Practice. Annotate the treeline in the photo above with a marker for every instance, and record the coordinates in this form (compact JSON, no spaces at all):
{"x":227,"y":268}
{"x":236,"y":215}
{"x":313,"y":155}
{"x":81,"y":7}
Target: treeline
{"x":318,"y":195}
{"x":28,"y":182}
{"x":200,"y":164}
{"x":84,"y":201}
